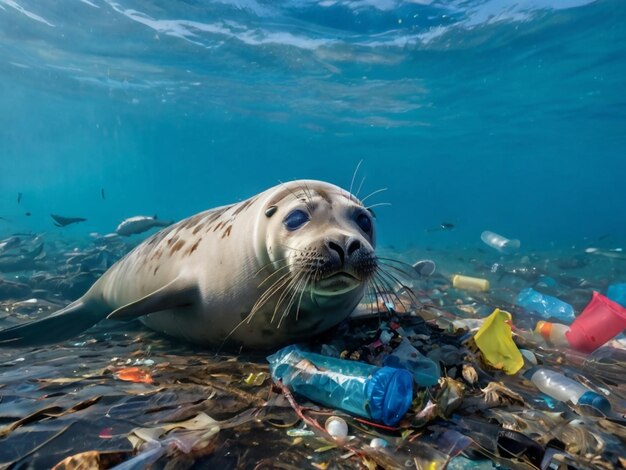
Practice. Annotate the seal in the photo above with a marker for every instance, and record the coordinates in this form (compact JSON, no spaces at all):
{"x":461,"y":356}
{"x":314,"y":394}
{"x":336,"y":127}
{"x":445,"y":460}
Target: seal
{"x":280,"y":267}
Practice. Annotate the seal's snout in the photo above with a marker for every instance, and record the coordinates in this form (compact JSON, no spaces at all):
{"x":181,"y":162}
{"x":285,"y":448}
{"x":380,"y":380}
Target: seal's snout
{"x":351,"y":246}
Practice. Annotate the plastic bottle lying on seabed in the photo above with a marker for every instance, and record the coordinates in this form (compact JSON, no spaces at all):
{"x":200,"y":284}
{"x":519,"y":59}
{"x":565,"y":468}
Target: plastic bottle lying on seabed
{"x":383,"y":394}
{"x":564,"y":389}
{"x":553,"y":333}
{"x":544,"y":305}
{"x":500,"y":243}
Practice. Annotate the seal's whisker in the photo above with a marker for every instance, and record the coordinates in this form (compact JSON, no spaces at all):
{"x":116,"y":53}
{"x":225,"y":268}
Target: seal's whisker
{"x":379,"y":204}
{"x":272,"y":275}
{"x":266,"y":265}
{"x":285,"y":293}
{"x":311,"y":276}
{"x":395,"y":295}
{"x":269,"y":292}
{"x":406,"y":288}
{"x":356,"y":170}
{"x":373,"y":193}
{"x":307,"y":191}
{"x":405,"y":273}
{"x":295,"y":195}
{"x":359,"y":188}
{"x":291,"y":301}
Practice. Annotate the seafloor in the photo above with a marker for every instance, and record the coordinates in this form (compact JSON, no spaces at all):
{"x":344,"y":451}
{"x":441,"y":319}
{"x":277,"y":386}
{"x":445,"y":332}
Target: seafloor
{"x":121,"y":396}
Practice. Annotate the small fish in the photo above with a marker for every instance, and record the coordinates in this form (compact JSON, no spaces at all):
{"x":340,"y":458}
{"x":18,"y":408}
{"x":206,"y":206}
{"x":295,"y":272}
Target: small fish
{"x":139,"y":224}
{"x":28,"y":214}
{"x":19,"y":197}
{"x":102,"y":194}
{"x":443,"y":227}
{"x":61,"y":221}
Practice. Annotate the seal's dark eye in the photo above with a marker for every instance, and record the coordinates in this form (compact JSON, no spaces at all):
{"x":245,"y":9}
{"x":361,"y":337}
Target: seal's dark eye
{"x":364,"y":223}
{"x":296,"y":219}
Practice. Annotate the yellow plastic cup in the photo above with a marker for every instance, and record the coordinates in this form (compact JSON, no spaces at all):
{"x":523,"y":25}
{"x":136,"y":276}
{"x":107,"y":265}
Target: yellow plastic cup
{"x":470,"y":283}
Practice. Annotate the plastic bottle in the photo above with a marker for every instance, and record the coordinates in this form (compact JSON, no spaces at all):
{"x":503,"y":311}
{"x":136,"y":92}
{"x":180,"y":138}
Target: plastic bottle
{"x":564,"y":389}
{"x":500,"y":243}
{"x":544,"y":305}
{"x":617,"y":293}
{"x":601,"y":320}
{"x":553,"y":333}
{"x":382,"y":394}
{"x":425,"y":372}
{"x":472,"y":283}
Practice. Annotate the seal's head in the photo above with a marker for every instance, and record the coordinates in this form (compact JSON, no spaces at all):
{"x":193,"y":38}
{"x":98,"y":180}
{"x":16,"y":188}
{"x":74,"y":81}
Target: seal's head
{"x":319,"y":242}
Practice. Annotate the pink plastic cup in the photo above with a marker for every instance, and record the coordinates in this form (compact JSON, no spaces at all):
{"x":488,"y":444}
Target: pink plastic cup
{"x":601,"y":321}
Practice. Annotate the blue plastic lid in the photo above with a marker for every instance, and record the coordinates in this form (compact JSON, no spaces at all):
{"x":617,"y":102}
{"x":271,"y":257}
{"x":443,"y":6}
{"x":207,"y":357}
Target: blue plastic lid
{"x":597,"y":401}
{"x":390,"y":393}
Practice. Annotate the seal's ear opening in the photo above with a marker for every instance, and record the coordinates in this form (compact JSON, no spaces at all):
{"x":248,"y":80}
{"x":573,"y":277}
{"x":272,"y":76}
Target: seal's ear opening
{"x":271,"y":210}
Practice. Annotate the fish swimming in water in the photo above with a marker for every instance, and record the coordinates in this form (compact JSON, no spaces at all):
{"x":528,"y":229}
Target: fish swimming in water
{"x":139,"y":224}
{"x":443,"y":227}
{"x":61,"y":221}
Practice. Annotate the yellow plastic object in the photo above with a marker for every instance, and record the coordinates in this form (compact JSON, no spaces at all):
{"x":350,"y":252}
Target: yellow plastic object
{"x":496,"y":344}
{"x":471,"y":283}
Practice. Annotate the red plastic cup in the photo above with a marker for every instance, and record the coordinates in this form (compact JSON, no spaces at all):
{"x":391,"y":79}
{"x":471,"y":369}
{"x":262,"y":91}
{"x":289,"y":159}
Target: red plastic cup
{"x":601,"y":321}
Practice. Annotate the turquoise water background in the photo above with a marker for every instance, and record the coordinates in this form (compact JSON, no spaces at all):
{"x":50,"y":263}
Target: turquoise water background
{"x":500,"y":115}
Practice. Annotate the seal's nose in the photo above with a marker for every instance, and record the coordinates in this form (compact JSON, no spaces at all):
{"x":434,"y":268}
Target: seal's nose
{"x":352,"y":245}
{"x":333,"y":246}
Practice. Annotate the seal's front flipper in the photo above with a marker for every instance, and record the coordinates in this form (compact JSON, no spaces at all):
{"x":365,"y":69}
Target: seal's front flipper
{"x":176,"y":294}
{"x":61,"y":325}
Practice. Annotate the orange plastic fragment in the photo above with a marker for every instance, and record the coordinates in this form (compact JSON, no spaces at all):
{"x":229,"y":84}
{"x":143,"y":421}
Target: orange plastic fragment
{"x":134,"y":374}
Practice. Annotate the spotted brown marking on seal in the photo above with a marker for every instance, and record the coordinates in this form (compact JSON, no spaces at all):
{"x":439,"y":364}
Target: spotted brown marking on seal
{"x":179,"y":244}
{"x":244,"y":205}
{"x":198,"y":227}
{"x":172,"y":240}
{"x":193,"y":247}
{"x":155,"y":270}
{"x":217,"y":227}
{"x":227,"y":231}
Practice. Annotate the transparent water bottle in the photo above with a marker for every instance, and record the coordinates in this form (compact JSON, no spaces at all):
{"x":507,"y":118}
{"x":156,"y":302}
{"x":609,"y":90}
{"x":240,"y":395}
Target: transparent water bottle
{"x":545,"y":306}
{"x":500,"y":243}
{"x":382,"y":394}
{"x":562,"y":388}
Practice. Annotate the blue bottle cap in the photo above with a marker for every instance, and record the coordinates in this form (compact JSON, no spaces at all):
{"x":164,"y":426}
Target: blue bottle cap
{"x":390,"y":393}
{"x":597,"y":401}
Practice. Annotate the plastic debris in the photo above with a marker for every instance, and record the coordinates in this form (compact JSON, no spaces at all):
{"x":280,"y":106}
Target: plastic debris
{"x":617,"y":293}
{"x":564,"y":389}
{"x":545,"y":306}
{"x":336,"y":427}
{"x":134,"y":374}
{"x":495,"y":342}
{"x":553,"y":333}
{"x":500,"y":243}
{"x":425,"y":371}
{"x":471,"y":283}
{"x":382,"y":394}
{"x":601,"y":321}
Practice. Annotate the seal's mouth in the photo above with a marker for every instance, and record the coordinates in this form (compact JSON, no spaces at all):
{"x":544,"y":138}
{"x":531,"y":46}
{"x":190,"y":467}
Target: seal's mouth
{"x":338,"y":283}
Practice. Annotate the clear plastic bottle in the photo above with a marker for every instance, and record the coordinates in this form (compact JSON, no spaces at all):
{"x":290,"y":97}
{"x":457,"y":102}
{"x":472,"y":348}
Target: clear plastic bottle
{"x":545,"y":306}
{"x":500,"y":243}
{"x":553,"y":333}
{"x":382,"y":394}
{"x":562,"y":388}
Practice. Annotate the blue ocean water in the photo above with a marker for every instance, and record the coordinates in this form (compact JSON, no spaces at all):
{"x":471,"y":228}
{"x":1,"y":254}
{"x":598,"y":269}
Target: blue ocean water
{"x":488,"y":114}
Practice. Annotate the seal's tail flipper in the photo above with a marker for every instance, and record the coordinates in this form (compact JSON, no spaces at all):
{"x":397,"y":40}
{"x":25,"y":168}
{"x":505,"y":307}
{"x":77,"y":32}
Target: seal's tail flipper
{"x":61,"y":325}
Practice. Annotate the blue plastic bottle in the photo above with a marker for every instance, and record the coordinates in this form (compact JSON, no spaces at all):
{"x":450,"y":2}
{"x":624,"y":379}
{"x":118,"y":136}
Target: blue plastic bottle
{"x":545,"y":306}
{"x":617,"y":293}
{"x":382,"y":394}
